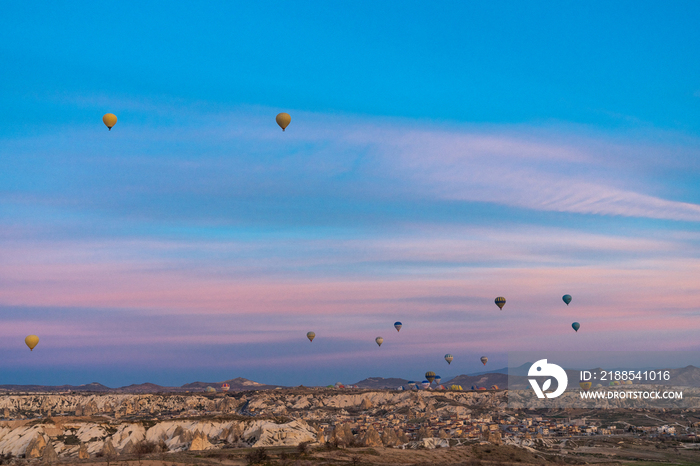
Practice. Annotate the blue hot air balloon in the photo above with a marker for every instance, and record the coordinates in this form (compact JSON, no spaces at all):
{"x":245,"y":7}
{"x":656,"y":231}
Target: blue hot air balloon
{"x":566,"y":298}
{"x":397,"y":326}
{"x":425,"y":384}
{"x":576,"y":326}
{"x":438,"y":379}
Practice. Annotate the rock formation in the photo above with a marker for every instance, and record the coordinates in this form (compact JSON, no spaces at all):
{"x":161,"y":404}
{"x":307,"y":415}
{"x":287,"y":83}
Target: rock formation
{"x":371,"y":438}
{"x":128,"y":449}
{"x":366,"y":404}
{"x":342,"y":433}
{"x":36,"y":446}
{"x":83,"y":452}
{"x":108,"y":450}
{"x":49,"y":455}
{"x":423,"y":433}
{"x":493,"y":437}
{"x":200,"y":442}
{"x":389,"y":438}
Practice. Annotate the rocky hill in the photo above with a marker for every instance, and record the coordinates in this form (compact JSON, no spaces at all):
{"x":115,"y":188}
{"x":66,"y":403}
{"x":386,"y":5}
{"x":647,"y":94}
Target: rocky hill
{"x":237,"y":384}
{"x":83,"y":425}
{"x":484,"y":380}
{"x":381,"y":382}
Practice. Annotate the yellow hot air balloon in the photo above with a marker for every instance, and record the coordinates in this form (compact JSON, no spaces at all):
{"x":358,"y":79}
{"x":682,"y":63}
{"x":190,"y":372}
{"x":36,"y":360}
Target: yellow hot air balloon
{"x":32,"y":341}
{"x":110,"y":119}
{"x":585,"y":385}
{"x":283,"y":119}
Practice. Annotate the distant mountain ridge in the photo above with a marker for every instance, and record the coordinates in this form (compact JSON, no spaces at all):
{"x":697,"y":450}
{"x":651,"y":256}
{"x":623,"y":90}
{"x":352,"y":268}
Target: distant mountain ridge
{"x":688,"y":376}
{"x":237,"y":384}
{"x":381,"y":382}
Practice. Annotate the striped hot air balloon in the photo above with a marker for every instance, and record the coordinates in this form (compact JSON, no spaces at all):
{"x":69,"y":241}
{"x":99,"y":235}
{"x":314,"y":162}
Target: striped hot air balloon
{"x":448,"y":358}
{"x":430,"y":376}
{"x":500,"y":302}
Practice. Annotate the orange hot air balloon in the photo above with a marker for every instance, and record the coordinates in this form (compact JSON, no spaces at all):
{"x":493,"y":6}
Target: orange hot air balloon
{"x":110,"y":119}
{"x":31,"y":341}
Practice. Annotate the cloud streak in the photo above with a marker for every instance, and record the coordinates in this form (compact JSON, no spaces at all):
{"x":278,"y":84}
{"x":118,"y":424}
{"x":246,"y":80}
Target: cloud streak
{"x":216,"y":233}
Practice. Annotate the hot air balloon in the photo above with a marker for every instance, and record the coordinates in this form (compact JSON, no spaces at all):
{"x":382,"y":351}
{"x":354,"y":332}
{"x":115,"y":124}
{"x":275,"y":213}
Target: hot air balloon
{"x":379,"y":340}
{"x":225,"y":387}
{"x":576,"y":326}
{"x":397,"y":326}
{"x":585,"y":385}
{"x":430,"y":376}
{"x":566,"y":298}
{"x":411,"y":383}
{"x":311,"y":336}
{"x":31,"y":341}
{"x":438,"y":379}
{"x":283,"y":119}
{"x":441,"y":387}
{"x":500,"y":302}
{"x":425,"y":384}
{"x":109,"y":119}
{"x":494,"y":387}
{"x":448,"y":358}
{"x":484,"y":360}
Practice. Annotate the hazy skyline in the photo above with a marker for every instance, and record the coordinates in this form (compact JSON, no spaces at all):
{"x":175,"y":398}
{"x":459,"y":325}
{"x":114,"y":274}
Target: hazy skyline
{"x":436,"y":159}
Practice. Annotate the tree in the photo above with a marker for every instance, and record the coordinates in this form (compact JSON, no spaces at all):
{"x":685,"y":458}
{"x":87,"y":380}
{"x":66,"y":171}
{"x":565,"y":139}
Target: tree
{"x":143,"y":448}
{"x":257,"y":456}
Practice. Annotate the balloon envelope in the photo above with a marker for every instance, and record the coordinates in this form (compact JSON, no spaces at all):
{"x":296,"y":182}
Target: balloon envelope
{"x":425,"y":384}
{"x":31,"y":341}
{"x":379,"y":340}
{"x":311,"y":336}
{"x":576,"y":326}
{"x":585,"y":385}
{"x":109,"y":119}
{"x":283,"y":119}
{"x":448,"y":358}
{"x":500,"y":302}
{"x":397,"y":326}
{"x":566,"y":298}
{"x":438,"y":379}
{"x":484,"y":360}
{"x":430,"y":376}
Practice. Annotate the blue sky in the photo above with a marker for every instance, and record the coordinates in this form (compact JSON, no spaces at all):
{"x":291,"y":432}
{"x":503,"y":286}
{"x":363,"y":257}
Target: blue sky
{"x":437,"y":157}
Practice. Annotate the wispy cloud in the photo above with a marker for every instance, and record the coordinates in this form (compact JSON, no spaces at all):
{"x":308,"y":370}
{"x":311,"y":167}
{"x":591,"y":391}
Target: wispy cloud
{"x":214,"y":231}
